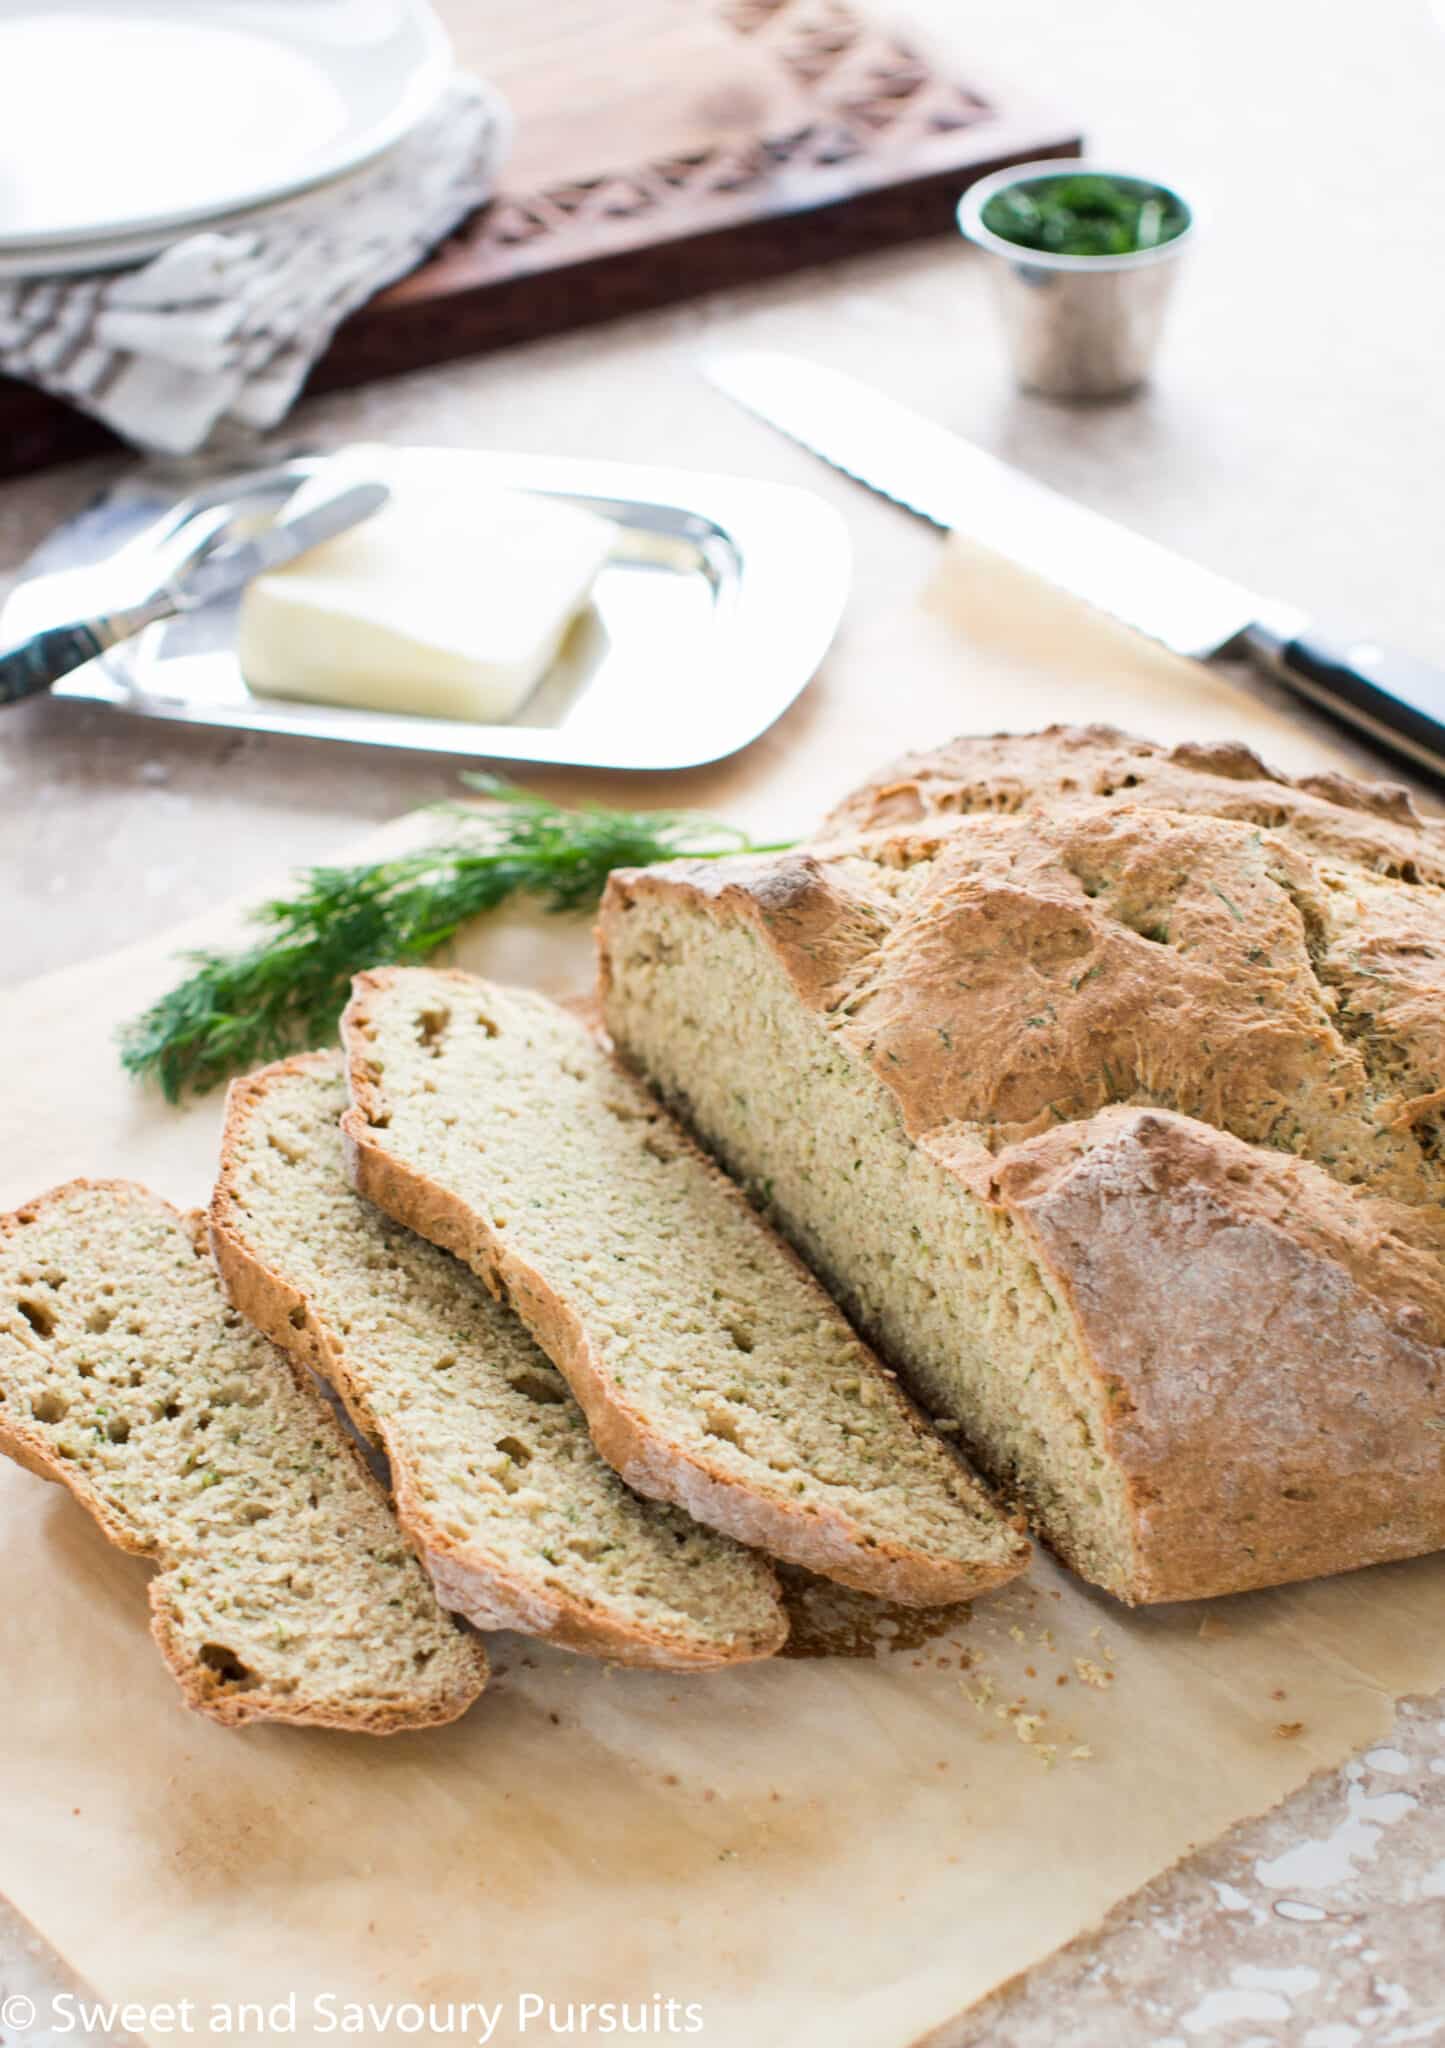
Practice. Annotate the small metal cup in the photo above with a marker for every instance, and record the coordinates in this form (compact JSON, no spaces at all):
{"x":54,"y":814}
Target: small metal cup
{"x":1078,"y":326}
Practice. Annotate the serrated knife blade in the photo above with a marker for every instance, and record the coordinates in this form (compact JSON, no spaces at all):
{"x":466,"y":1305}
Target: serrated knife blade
{"x":1398,"y":701}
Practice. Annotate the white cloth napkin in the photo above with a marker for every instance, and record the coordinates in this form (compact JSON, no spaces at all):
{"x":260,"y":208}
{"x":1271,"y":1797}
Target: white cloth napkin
{"x":223,"y":327}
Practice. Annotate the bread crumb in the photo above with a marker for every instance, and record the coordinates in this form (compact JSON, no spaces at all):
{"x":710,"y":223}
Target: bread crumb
{"x":1288,"y":1730}
{"x":1027,"y":1727}
{"x":1093,"y":1674}
{"x":1082,"y":1754}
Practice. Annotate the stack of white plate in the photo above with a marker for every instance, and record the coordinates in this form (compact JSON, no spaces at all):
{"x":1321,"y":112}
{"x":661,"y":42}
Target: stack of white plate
{"x":127,"y":123}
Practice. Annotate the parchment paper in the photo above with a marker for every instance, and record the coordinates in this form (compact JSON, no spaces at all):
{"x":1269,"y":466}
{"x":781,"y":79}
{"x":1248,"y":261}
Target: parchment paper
{"x":838,"y":1851}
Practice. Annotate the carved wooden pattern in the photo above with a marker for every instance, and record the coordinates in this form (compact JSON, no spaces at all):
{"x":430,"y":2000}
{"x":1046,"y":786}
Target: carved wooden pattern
{"x":869,"y":95}
{"x":664,"y":148}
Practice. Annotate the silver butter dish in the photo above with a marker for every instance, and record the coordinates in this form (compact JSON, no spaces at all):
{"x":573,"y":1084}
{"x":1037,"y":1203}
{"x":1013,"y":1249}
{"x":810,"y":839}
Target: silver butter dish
{"x":718,"y":603}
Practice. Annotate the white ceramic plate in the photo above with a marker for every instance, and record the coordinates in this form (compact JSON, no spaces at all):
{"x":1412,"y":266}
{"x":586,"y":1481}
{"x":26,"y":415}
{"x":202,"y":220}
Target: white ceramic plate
{"x":718,"y":604}
{"x":122,"y":252}
{"x":124,"y":119}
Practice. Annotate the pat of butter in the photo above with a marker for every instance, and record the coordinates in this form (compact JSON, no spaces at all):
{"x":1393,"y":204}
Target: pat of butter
{"x":451,"y":602}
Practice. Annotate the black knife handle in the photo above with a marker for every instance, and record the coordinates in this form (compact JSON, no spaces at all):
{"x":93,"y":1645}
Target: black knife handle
{"x":1395,"y":698}
{"x":36,"y":663}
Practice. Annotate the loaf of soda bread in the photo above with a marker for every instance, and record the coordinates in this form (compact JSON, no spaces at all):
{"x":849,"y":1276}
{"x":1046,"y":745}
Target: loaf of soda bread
{"x":1103,"y":1084}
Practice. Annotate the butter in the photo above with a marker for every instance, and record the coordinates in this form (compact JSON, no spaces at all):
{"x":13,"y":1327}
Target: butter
{"x":452,"y":602}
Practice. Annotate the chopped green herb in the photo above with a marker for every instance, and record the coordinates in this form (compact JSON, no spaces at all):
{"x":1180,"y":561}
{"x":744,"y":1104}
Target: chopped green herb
{"x":1084,"y":213}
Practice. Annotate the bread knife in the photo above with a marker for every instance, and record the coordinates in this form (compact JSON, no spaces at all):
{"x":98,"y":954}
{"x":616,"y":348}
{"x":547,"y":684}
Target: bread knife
{"x":1398,"y":701}
{"x":202,"y":572}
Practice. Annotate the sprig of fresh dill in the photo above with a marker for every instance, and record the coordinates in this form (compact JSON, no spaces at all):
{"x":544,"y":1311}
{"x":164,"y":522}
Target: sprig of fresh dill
{"x":237,"y":1009}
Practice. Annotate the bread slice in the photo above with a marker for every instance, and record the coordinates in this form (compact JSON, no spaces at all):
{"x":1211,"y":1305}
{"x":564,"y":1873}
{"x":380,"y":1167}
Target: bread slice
{"x":285,"y":1590}
{"x":714,"y":1370}
{"x":519,"y":1521}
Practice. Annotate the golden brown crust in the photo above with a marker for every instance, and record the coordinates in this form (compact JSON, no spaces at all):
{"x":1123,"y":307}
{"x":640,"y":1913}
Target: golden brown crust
{"x":467,"y":1581}
{"x":1267,"y":1348}
{"x":1374,"y":824}
{"x":202,"y":1688}
{"x":823,"y":1541}
{"x":1184,"y":1021}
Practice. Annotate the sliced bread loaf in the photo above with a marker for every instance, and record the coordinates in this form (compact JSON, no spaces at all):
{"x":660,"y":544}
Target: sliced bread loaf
{"x":1104,"y":1084}
{"x":714,"y":1370}
{"x":519,"y":1521}
{"x":285,"y":1590}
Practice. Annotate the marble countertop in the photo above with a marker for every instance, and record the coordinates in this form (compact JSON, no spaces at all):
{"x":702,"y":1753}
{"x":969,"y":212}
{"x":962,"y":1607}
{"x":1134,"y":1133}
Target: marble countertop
{"x":1292,"y":439}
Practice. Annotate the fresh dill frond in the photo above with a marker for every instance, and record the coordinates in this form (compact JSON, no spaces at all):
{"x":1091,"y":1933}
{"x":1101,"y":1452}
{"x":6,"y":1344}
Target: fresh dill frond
{"x":238,"y":1009}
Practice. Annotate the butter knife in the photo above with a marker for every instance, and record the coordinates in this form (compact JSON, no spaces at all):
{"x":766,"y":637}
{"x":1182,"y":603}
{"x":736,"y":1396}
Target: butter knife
{"x":203,"y":572}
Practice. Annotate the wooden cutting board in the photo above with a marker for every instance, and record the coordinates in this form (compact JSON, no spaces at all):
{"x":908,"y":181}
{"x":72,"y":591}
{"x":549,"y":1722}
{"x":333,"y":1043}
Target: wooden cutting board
{"x":663,"y":148}
{"x":828,"y":1852}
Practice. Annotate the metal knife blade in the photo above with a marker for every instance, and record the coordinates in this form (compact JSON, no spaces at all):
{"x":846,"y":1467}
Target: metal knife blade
{"x":946,"y":480}
{"x":217,"y":575}
{"x":1395,"y":699}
